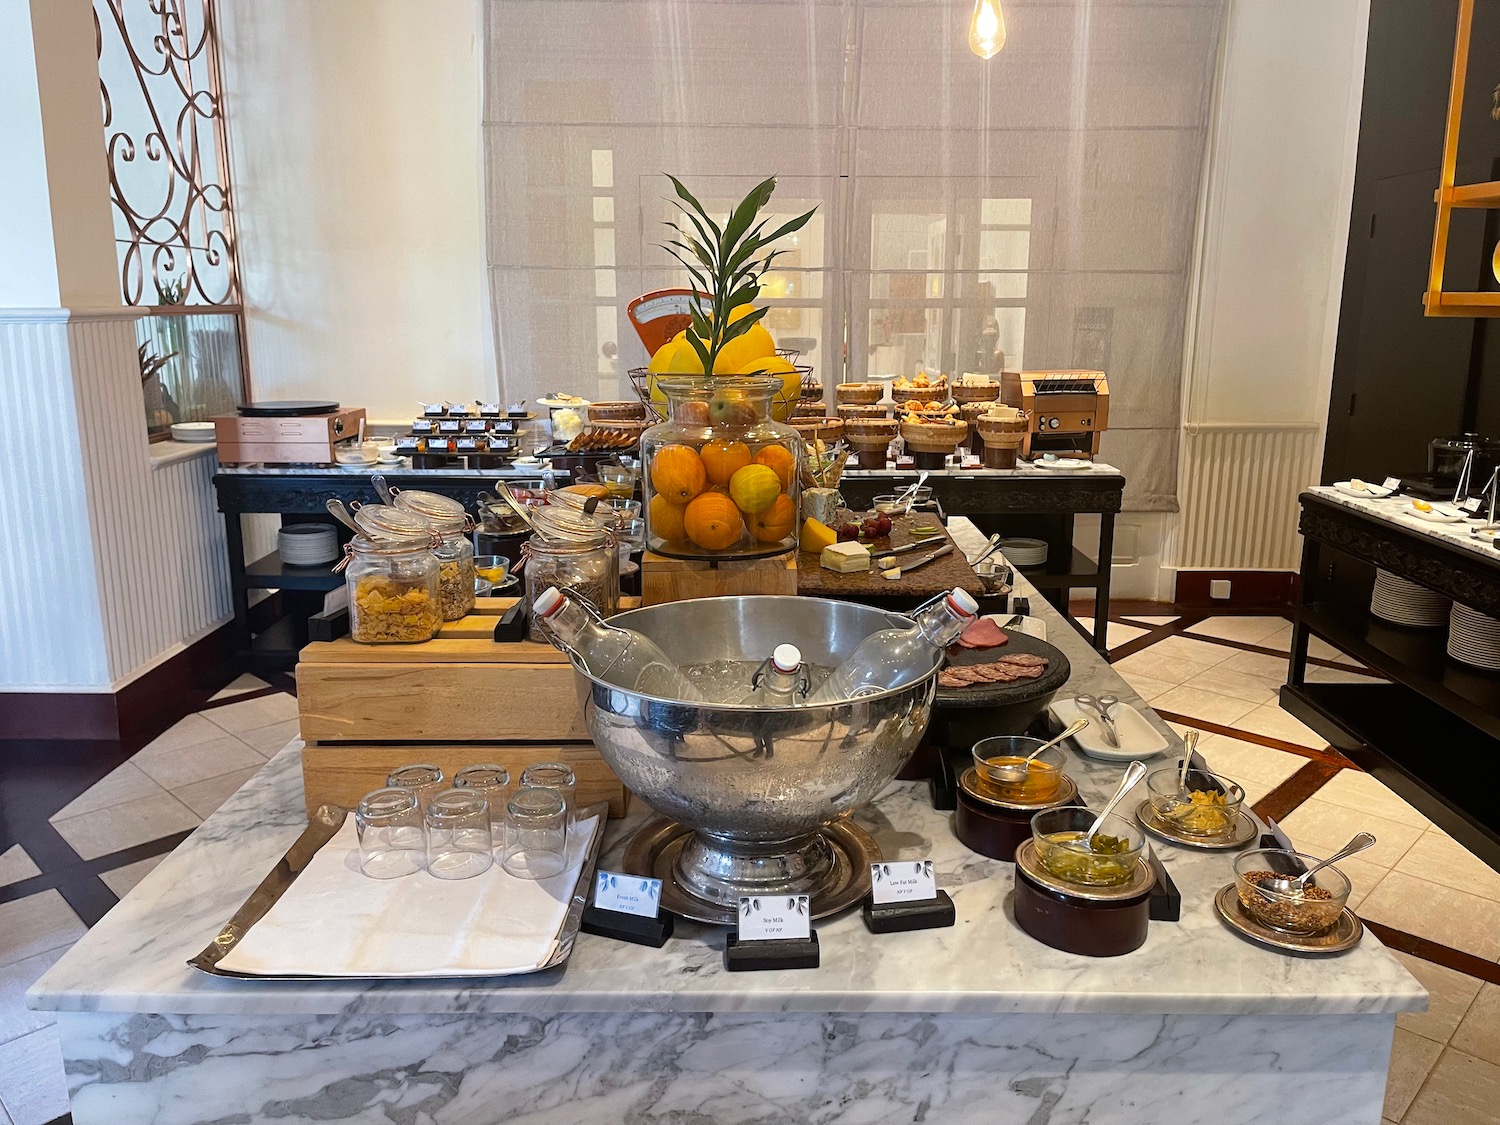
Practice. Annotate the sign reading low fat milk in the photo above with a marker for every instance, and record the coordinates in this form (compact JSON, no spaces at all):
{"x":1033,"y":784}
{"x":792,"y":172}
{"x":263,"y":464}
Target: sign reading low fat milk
{"x":906,"y":881}
{"x":774,"y":917}
{"x":627,"y":894}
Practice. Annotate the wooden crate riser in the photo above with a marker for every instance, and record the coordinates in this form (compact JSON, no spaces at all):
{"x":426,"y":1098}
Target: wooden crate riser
{"x":341,"y":773}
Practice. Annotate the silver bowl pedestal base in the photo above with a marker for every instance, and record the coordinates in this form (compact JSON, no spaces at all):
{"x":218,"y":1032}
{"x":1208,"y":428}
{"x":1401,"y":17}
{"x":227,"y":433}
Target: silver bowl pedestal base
{"x":703,"y":879}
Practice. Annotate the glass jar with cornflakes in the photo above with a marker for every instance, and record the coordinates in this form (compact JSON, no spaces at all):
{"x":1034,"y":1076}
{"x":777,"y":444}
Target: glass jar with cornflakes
{"x":455,"y":554}
{"x":392,"y":576}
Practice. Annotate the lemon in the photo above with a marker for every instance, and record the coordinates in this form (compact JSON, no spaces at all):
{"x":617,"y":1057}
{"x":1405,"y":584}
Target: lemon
{"x":754,"y":488}
{"x":775,"y":367}
{"x":676,"y":357}
{"x":754,"y":344}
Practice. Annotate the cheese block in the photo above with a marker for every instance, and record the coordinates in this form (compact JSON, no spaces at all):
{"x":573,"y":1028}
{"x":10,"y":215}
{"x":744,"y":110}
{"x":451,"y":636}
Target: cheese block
{"x":845,"y":558}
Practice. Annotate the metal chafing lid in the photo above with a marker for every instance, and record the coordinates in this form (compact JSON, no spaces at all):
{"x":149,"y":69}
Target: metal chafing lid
{"x":970,"y":783}
{"x":1027,"y":861}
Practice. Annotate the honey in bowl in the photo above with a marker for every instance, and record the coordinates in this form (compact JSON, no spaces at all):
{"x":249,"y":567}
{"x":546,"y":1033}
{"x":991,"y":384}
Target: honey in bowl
{"x":1040,"y":782}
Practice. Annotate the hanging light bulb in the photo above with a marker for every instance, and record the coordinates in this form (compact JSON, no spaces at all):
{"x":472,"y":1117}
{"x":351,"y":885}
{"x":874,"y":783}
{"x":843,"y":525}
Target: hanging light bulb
{"x":987,"y":29}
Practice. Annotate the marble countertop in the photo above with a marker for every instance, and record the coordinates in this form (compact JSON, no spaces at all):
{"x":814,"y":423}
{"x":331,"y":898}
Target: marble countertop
{"x":1397,"y":510}
{"x":134,"y":959}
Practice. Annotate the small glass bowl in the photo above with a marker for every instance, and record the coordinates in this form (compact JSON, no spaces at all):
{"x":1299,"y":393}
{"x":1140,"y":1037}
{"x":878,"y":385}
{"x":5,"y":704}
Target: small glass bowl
{"x":493,"y":568}
{"x":1289,"y":914}
{"x":1207,"y":820}
{"x":1053,"y":831}
{"x":1043,"y":779}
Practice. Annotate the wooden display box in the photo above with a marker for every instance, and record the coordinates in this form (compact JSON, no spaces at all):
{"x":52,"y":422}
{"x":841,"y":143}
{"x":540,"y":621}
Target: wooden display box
{"x":675,"y":580}
{"x":456,"y":700}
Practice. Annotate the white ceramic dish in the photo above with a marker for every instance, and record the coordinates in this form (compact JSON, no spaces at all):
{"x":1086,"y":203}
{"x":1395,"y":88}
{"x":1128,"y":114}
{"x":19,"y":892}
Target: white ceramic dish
{"x":198,"y":432}
{"x":1138,"y":738}
{"x":1368,"y":492}
{"x":1063,"y":464}
{"x":1440,"y":513}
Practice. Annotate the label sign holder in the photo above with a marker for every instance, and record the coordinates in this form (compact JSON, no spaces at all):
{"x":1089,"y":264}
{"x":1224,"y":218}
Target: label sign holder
{"x":756,"y":945}
{"x":627,"y":908}
{"x":904,"y":896}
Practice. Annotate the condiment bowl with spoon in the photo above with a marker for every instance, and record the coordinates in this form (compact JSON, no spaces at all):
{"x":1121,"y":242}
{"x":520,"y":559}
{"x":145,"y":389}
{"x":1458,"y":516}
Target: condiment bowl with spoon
{"x":1291,"y":892}
{"x":1000,"y":764}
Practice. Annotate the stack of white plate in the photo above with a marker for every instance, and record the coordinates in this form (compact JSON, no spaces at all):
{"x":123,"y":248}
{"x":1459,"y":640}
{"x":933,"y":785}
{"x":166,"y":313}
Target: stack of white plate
{"x":307,"y":544}
{"x":1024,"y":552}
{"x":1474,"y":638}
{"x":1405,"y":603}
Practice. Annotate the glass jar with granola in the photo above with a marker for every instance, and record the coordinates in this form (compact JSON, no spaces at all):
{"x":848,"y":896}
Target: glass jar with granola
{"x":455,"y":553}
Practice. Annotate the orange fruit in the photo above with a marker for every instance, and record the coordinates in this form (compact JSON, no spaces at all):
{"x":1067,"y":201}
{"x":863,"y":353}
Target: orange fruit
{"x":677,"y":473}
{"x":722,"y":459}
{"x":776,"y":522}
{"x":713,"y":522}
{"x":780,"y":460}
{"x":665,"y":518}
{"x":754,"y":488}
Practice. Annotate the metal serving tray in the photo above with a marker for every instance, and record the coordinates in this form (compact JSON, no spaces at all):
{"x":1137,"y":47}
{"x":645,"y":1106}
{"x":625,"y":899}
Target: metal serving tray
{"x":322,"y":827}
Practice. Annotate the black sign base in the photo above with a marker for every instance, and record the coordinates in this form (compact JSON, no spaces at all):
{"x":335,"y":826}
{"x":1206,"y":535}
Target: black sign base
{"x":627,"y":927}
{"x":777,"y":953}
{"x":898,"y":917}
{"x":1166,"y":899}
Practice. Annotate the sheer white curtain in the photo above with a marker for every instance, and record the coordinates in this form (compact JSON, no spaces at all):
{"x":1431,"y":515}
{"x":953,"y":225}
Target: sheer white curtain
{"x":1041,"y":204}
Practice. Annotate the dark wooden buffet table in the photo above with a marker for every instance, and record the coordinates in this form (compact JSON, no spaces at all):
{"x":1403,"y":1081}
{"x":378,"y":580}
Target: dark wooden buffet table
{"x":300,"y":494}
{"x":1026,"y":502}
{"x":1432,"y":733}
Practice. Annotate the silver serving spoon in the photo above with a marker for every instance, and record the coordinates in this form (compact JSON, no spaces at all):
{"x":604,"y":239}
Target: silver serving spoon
{"x":1189,"y":745}
{"x":1133,"y":775}
{"x":994,"y":545}
{"x":1015,"y":774}
{"x":1289,"y":885}
{"x":503,"y":491}
{"x":337,"y":510}
{"x":904,"y":501}
{"x":382,"y":489}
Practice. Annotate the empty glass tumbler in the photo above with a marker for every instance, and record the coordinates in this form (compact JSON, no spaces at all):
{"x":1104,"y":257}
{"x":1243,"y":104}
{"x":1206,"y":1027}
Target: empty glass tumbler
{"x":426,"y":781}
{"x":459,"y":843}
{"x":391,"y":838}
{"x":536,"y":840}
{"x":491,"y":782}
{"x":556,"y":776}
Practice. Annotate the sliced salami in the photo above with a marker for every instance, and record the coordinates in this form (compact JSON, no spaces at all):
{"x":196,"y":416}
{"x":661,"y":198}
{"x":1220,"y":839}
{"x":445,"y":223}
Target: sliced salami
{"x":1025,"y":659}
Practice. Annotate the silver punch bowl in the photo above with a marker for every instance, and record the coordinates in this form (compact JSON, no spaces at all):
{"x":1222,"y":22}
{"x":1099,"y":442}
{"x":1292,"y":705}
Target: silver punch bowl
{"x":756,"y":800}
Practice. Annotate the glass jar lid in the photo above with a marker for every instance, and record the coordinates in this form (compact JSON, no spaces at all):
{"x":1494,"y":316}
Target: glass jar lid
{"x":443,"y":512}
{"x":383,"y":522}
{"x":571,"y":524}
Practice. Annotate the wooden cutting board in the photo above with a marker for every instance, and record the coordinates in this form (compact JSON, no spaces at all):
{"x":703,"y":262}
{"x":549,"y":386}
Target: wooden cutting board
{"x":944,"y":574}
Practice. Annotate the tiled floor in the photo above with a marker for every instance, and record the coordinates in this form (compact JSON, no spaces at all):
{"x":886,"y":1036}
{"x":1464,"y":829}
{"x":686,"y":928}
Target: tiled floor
{"x":1221,"y":671}
{"x":109,"y":836}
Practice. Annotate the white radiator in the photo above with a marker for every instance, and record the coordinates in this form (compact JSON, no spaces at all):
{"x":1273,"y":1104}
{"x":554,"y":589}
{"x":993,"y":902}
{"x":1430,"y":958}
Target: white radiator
{"x":1237,"y":493}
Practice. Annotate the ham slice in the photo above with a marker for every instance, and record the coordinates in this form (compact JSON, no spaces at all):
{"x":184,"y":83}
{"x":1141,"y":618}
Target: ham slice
{"x":982,"y":633}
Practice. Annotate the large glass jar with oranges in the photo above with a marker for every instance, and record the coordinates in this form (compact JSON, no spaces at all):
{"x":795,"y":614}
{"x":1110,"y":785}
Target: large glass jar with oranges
{"x":720,"y":474}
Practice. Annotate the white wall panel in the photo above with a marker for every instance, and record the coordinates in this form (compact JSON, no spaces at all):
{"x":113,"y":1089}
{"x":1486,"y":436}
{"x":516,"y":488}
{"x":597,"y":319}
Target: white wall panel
{"x":158,"y":542}
{"x":109,"y":560}
{"x":51,"y":632}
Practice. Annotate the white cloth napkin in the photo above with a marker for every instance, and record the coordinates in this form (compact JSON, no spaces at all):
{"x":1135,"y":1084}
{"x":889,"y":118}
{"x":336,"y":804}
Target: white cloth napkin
{"x":335,"y":922}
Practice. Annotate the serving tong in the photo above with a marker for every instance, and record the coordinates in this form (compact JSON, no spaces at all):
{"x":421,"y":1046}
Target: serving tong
{"x":1101,"y":705}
